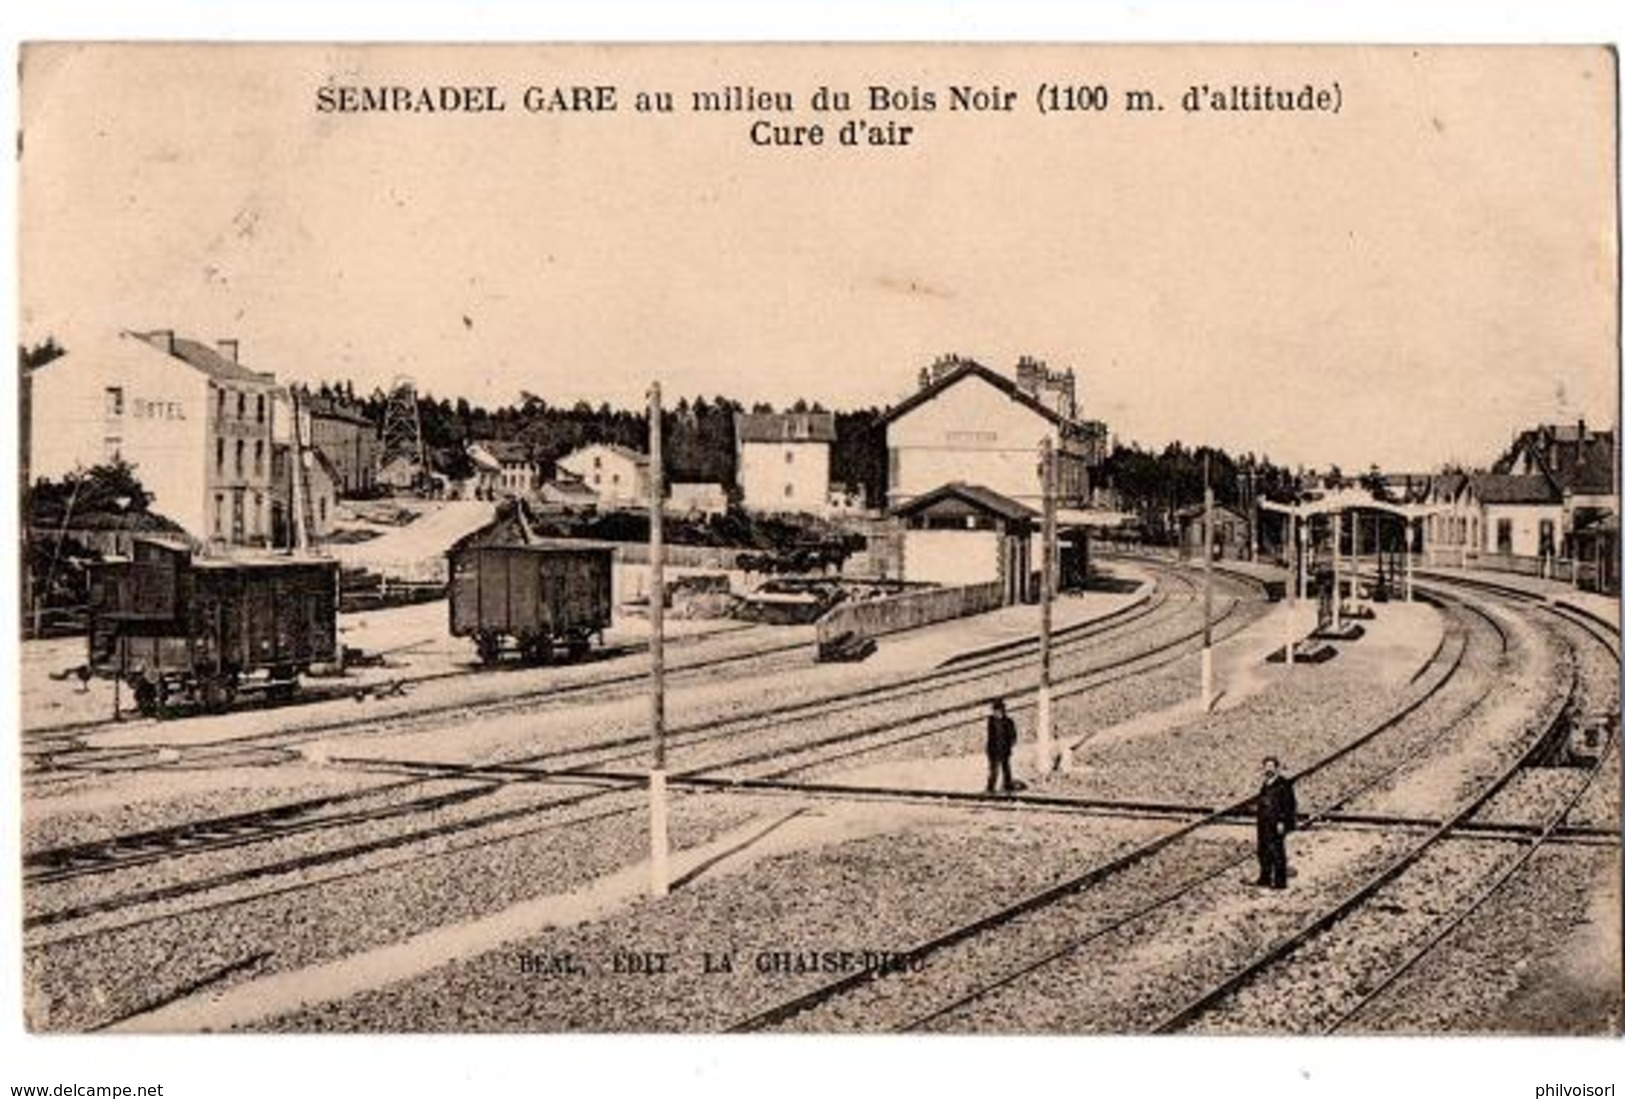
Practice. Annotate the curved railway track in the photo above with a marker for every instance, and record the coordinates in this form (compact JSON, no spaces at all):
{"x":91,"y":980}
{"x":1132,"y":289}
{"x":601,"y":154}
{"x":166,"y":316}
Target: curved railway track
{"x":331,"y":813}
{"x":1053,"y":904}
{"x":69,"y":762}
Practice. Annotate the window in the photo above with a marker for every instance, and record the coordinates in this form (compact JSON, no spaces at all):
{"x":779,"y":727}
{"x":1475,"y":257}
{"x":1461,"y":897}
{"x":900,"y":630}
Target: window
{"x":259,"y":409}
{"x":242,"y":406}
{"x":220,"y":455}
{"x":115,"y":400}
{"x":789,"y":457}
{"x":1548,"y":538}
{"x":239,"y":449}
{"x":259,"y":457}
{"x":321,"y":509}
{"x":259,"y":516}
{"x":789,"y":491}
{"x":1503,"y":536}
{"x":111,"y":448}
{"x":219,"y":506}
{"x":220,"y":404}
{"x":598,"y":461}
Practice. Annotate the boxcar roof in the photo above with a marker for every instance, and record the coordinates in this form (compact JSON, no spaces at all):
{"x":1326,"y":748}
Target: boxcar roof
{"x":544,"y":545}
{"x":258,"y":561}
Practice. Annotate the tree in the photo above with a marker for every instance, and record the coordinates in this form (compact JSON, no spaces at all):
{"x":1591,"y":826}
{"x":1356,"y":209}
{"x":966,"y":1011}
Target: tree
{"x":108,"y":489}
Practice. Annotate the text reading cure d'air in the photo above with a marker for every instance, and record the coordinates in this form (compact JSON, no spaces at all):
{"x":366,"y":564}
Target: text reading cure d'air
{"x":871,"y":115}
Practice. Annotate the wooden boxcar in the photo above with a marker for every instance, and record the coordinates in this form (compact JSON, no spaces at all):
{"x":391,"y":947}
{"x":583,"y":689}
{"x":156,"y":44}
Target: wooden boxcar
{"x":537,"y":595}
{"x":180,"y":628}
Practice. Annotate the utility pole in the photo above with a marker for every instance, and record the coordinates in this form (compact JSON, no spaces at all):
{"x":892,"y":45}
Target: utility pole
{"x":659,"y":847}
{"x":1337,"y":571}
{"x":1045,"y":740}
{"x":1207,"y":587}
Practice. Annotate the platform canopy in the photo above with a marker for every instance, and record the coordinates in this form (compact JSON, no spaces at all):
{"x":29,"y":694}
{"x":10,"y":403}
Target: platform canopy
{"x":1351,"y":499}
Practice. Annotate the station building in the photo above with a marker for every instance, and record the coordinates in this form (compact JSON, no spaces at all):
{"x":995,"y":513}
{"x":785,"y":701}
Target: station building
{"x":968,"y":423}
{"x":195,"y":423}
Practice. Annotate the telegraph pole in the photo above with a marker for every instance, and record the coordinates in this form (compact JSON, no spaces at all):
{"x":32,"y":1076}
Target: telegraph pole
{"x":1207,"y":588}
{"x":659,"y":847}
{"x":1337,"y":570}
{"x":1045,"y":740}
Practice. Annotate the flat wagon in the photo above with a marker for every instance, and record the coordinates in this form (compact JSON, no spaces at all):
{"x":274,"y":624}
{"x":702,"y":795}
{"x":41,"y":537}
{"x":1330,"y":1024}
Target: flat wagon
{"x":181,"y":628}
{"x":536,"y":596}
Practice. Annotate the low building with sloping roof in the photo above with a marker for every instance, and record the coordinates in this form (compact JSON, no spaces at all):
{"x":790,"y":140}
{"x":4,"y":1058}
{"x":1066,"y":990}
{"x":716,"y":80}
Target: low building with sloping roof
{"x":1521,"y":514}
{"x":961,"y":534}
{"x":503,"y":467}
{"x":617,"y":474}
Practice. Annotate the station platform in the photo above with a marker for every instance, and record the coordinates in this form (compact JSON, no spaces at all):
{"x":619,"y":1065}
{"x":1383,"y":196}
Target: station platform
{"x":1557,"y":592}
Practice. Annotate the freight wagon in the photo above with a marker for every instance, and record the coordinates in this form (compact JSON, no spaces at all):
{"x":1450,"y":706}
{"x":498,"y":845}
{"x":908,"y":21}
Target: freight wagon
{"x":536,"y":595}
{"x":194,"y":630}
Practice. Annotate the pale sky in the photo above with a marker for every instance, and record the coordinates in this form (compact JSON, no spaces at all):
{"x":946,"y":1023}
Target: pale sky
{"x":1407,"y":282}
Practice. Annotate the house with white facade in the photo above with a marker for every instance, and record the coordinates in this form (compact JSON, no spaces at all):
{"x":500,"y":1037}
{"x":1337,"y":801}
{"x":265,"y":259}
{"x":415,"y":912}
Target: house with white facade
{"x":968,"y":423}
{"x":1580,"y":462}
{"x":784,"y":460}
{"x":503,"y":467}
{"x":1521,"y":515}
{"x":196,"y":424}
{"x":616,"y":474}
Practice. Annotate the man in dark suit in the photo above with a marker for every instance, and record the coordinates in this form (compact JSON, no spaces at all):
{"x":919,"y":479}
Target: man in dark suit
{"x":1277,"y":811}
{"x":1001,"y":742}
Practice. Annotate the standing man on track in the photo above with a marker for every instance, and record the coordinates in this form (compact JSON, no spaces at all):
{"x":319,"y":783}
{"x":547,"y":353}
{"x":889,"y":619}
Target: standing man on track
{"x":1001,"y":742}
{"x":1277,"y":810}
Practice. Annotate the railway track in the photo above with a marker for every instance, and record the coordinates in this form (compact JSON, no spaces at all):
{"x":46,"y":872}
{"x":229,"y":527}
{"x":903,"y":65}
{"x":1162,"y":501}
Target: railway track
{"x":322,"y":815}
{"x":1050,"y":915}
{"x":543,"y":700}
{"x":1222,"y":1006}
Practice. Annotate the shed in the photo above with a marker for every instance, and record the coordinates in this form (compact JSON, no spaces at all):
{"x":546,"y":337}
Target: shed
{"x":962,"y":534}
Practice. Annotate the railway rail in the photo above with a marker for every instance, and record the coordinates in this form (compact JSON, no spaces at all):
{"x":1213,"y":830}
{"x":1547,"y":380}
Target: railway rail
{"x":321,"y":815}
{"x":1052,"y":901}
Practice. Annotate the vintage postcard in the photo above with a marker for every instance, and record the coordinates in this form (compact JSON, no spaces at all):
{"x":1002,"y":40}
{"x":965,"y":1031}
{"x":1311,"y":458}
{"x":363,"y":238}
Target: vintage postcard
{"x":1020,"y":539}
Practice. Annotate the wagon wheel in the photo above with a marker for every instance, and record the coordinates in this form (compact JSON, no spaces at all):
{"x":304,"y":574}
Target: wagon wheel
{"x":539,"y":650}
{"x":147,"y":698}
{"x":219,"y":692}
{"x":489,"y":647}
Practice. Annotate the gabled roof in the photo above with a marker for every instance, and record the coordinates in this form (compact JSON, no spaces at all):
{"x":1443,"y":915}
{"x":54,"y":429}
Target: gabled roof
{"x":1514,"y":488}
{"x":971,"y":369}
{"x":978,"y":496}
{"x":1447,"y":486}
{"x":1577,"y":460}
{"x":1195,"y":511}
{"x":785,"y":427}
{"x":505,"y":451}
{"x":203,"y":357}
{"x":614,"y":448}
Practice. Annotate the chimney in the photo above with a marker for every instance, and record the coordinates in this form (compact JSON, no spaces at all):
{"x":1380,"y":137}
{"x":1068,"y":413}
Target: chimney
{"x":228,"y":349}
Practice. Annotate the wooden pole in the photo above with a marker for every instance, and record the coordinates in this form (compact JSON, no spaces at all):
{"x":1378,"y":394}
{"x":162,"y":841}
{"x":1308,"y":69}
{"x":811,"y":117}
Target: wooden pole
{"x":1207,"y":587}
{"x":1045,"y":740}
{"x":659,"y":844}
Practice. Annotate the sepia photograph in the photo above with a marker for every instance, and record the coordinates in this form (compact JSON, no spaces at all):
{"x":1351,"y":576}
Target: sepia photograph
{"x":719,"y":539}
